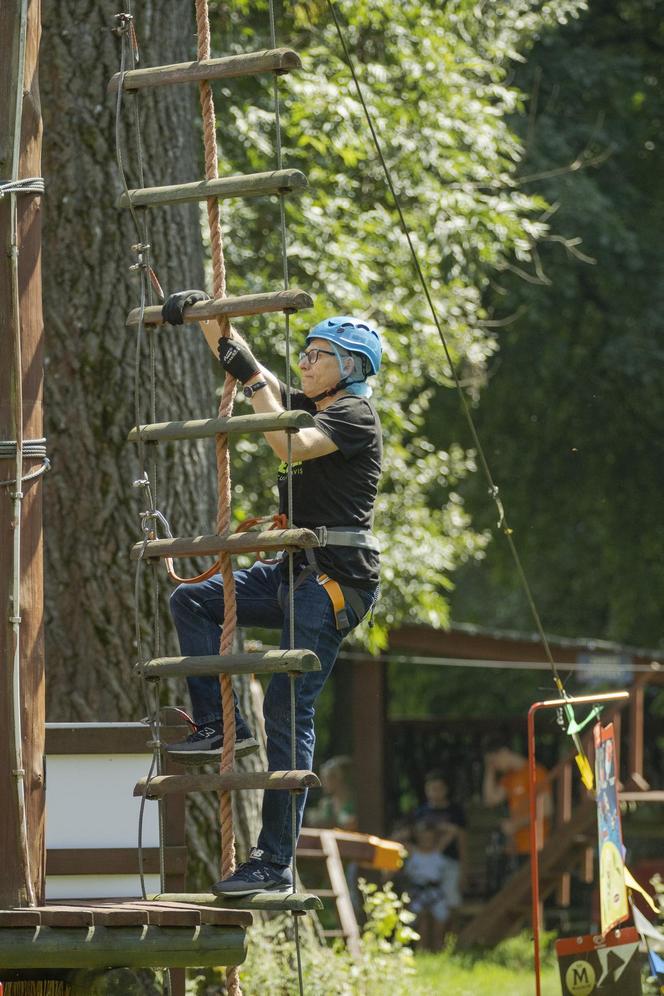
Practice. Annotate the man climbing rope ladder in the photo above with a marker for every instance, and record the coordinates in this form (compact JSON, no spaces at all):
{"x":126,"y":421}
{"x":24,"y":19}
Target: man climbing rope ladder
{"x":335,"y":471}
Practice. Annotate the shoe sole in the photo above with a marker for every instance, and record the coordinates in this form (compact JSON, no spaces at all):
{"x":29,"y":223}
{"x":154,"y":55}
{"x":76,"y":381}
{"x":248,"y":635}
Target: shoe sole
{"x":283,"y":891}
{"x":207,"y":756}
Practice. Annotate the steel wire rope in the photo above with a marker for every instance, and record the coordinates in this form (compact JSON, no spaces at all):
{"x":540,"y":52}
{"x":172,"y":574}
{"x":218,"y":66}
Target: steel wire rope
{"x":125,"y":28}
{"x":289,"y":495}
{"x":492,"y":486}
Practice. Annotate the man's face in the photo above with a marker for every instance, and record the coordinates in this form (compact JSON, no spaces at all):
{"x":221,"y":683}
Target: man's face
{"x":322,"y":375}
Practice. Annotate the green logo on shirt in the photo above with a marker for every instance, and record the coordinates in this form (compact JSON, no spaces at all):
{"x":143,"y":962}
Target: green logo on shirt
{"x":283,"y":469}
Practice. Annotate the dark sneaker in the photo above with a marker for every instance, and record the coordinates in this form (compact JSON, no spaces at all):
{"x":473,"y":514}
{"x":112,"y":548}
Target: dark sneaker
{"x":255,"y":876}
{"x":205,"y":744}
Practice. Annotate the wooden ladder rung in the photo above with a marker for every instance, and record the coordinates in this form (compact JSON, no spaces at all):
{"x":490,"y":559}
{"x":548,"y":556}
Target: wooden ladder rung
{"x":247,"y":542}
{"x":272,"y":60}
{"x":229,"y":781}
{"x":296,"y":902}
{"x":278,"y":181}
{"x":203,"y":428}
{"x":265,"y":662}
{"x":265,"y":303}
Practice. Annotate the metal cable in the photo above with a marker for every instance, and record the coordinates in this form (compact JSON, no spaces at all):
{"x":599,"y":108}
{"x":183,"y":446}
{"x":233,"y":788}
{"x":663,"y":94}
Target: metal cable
{"x":493,"y":489}
{"x":28,"y":185}
{"x":289,"y":494}
{"x":32,"y":449}
{"x":152,"y":514}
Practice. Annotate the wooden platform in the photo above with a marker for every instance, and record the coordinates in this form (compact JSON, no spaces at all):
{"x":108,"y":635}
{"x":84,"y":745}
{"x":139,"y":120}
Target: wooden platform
{"x":129,"y":933}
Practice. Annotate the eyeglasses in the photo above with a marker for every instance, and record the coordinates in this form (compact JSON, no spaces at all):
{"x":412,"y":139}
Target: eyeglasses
{"x":311,"y":356}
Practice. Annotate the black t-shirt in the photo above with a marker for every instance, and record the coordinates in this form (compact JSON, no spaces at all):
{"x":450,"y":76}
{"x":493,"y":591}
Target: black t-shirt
{"x":339,"y":489}
{"x":451,"y":813}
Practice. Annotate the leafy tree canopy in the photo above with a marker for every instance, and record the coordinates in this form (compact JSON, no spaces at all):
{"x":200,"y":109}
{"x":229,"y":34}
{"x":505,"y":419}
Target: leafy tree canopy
{"x":439,"y":83}
{"x":574,"y":405}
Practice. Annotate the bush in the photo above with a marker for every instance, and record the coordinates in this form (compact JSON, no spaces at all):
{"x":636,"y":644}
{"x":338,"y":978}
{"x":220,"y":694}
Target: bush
{"x":385,"y":963}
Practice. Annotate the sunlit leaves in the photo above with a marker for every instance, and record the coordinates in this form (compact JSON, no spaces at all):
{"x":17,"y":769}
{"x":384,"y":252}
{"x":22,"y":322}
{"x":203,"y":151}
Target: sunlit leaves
{"x":436,"y":78}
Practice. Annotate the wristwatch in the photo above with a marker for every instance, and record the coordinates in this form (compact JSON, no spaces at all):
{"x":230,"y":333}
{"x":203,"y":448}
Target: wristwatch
{"x":250,"y":391}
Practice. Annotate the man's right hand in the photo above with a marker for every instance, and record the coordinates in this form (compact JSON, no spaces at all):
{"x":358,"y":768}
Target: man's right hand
{"x":237,"y":359}
{"x":175,"y":304}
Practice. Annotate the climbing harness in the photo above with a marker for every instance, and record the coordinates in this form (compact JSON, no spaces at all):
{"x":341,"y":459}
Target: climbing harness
{"x":339,"y":595}
{"x":566,"y":717}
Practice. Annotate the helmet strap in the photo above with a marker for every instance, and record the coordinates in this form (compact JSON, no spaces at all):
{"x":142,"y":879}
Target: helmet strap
{"x":333,"y":390}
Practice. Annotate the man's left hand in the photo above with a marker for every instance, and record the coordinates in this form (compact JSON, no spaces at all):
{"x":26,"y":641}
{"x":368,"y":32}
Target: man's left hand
{"x":236,"y":358}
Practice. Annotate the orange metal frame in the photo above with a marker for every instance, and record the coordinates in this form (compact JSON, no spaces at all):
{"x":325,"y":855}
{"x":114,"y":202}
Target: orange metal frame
{"x":532,"y":800}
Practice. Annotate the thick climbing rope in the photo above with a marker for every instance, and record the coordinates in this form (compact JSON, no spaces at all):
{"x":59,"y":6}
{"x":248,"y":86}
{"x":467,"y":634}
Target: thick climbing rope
{"x":494,"y":491}
{"x":223,"y":467}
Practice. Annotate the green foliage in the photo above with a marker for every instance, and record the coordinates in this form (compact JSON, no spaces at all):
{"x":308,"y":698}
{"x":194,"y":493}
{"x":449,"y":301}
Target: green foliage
{"x":384,"y":964}
{"x":571,"y":417}
{"x":438,"y":81}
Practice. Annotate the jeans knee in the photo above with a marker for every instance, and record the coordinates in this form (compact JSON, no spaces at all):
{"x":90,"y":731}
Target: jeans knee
{"x":179,"y":601}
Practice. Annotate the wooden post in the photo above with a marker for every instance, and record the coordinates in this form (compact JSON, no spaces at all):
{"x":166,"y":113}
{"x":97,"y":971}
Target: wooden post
{"x":15,"y":888}
{"x":636,"y":713}
{"x":369,"y":712}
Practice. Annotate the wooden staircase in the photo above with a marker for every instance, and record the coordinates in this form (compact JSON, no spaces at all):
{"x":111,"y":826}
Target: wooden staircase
{"x":507,"y":912}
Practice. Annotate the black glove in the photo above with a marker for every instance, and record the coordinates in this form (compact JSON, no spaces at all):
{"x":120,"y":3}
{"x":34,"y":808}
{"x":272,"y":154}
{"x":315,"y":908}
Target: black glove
{"x":174,"y":305}
{"x":237,"y":359}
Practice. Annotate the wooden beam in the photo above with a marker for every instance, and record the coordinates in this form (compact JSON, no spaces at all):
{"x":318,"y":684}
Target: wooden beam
{"x":335,"y":871}
{"x":291,"y":902}
{"x":247,"y":542}
{"x":636,"y":730}
{"x":204,"y":428}
{"x":112,"y":860}
{"x":267,"y":662}
{"x":111,"y":738}
{"x":265,"y":303}
{"x":649,"y":795}
{"x":278,"y":181}
{"x":120,"y":947}
{"x":228,"y":782}
{"x":14,"y":885}
{"x":275,"y":60}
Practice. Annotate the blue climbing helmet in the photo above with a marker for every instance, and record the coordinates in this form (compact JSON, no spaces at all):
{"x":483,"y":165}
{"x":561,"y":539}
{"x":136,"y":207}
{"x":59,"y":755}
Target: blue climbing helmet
{"x":354,"y":335}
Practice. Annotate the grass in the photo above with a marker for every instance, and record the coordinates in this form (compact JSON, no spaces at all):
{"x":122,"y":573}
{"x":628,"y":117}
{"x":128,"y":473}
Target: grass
{"x":444,"y":973}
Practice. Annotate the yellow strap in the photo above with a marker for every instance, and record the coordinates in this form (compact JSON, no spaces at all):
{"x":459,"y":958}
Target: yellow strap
{"x":336,"y":595}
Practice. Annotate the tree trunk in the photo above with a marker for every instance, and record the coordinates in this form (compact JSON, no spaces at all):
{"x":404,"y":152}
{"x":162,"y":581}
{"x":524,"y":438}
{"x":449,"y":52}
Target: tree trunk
{"x":91,"y":510}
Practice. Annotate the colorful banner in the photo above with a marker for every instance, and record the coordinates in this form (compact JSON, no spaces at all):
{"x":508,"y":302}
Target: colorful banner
{"x":606,"y":966}
{"x":614,"y":908}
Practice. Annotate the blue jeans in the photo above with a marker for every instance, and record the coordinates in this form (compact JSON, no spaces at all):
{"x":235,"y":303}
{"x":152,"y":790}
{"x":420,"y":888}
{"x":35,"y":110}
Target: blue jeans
{"x":198,"y":612}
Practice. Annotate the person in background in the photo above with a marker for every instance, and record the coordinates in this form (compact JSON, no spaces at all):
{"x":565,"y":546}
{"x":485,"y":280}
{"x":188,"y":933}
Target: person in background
{"x":506,"y":781}
{"x":337,"y":806}
{"x":449,"y":822}
{"x":432,"y":889}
